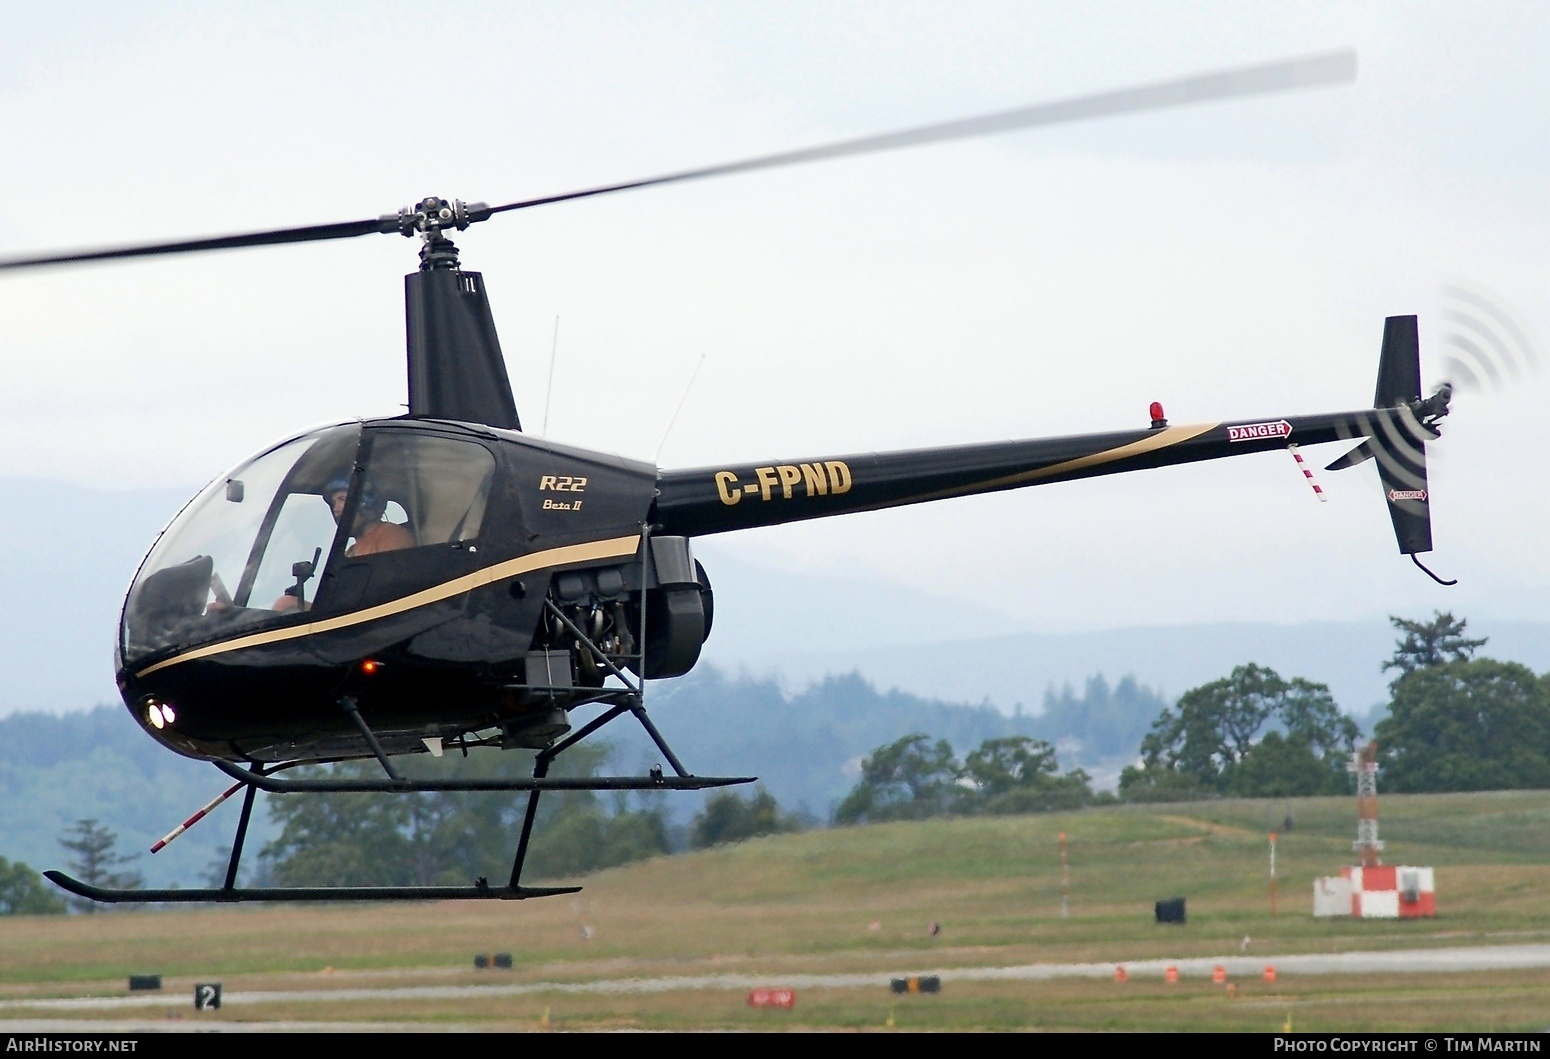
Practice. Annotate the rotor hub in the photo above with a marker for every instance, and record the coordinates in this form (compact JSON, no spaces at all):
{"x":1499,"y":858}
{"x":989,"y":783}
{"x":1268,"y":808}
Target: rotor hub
{"x":430,"y":219}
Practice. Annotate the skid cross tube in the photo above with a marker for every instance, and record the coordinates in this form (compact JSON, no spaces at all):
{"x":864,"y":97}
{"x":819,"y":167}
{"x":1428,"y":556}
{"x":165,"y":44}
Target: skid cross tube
{"x":348,"y":705}
{"x":656,"y":737}
{"x":272,"y":785}
{"x":552,"y":752}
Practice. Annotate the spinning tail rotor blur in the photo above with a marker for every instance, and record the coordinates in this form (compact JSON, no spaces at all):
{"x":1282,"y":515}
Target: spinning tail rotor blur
{"x":1487,"y":347}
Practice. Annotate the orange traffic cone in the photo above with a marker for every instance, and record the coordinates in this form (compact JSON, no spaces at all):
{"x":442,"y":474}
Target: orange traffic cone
{"x":1270,"y":973}
{"x":1171,"y":974}
{"x":1120,"y":974}
{"x":1218,"y":974}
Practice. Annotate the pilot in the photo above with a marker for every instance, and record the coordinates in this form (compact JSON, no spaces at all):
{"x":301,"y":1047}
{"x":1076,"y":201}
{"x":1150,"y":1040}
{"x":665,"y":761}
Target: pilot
{"x":373,"y":534}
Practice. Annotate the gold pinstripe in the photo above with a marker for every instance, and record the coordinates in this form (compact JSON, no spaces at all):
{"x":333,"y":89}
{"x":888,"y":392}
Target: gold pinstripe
{"x":1162,"y":439}
{"x":613,"y":548}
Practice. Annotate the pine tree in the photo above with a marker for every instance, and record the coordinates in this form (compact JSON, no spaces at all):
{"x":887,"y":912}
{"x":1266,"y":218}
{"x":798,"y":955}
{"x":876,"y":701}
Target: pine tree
{"x":1431,"y":643}
{"x":95,"y":859}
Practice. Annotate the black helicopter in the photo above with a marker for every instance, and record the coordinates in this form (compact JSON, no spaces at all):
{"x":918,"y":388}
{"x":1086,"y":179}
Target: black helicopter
{"x":442,"y":580}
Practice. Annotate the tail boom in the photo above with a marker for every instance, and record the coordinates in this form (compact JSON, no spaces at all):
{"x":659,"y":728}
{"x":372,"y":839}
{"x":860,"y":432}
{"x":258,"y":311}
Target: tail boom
{"x":709,"y":500}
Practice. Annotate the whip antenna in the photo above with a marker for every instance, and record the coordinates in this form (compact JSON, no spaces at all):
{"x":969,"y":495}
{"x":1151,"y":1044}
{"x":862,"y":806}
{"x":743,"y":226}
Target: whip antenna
{"x":692,"y":376}
{"x":554,"y":348}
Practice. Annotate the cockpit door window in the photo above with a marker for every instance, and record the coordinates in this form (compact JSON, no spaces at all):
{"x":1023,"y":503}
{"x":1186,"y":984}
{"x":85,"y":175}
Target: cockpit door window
{"x":420,"y":490}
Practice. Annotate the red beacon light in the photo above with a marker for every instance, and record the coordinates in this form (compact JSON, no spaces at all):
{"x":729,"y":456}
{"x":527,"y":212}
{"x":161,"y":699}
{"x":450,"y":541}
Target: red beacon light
{"x":1158,"y":419}
{"x":370,"y":666}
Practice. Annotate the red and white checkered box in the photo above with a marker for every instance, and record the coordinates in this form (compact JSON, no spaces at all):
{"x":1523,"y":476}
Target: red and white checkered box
{"x":1392,"y":892}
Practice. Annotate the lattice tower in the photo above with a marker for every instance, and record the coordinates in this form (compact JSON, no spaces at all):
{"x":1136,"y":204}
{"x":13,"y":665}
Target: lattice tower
{"x":1364,"y":763}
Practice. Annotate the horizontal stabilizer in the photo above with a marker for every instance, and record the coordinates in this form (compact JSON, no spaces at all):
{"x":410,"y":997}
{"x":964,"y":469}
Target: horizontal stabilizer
{"x":1361,"y":454}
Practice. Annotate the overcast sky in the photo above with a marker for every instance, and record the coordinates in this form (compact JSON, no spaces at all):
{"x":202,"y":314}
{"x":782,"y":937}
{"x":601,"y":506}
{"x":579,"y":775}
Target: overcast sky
{"x":1233,"y":260}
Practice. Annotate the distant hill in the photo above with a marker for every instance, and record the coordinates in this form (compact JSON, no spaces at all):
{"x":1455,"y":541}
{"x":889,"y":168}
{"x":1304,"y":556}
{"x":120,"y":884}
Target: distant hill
{"x":1019,"y":668}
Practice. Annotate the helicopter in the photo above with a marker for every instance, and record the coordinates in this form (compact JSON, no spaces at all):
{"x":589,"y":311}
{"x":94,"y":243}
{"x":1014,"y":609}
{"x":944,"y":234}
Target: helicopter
{"x":442,"y":580}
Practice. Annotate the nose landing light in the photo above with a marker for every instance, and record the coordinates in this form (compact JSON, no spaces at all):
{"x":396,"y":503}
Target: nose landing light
{"x":159,"y":714}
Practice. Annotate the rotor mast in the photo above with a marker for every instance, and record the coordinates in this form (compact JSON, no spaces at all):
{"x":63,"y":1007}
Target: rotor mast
{"x":456,"y":369}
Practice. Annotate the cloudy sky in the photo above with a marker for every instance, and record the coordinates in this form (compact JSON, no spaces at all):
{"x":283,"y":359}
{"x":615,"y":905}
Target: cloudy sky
{"x":1233,"y":260}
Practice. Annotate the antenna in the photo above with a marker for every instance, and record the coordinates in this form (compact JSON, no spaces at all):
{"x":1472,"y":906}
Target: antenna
{"x":693,"y":375}
{"x":554,"y":348}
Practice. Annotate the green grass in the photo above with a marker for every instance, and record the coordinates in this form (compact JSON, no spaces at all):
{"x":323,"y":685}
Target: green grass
{"x":859,"y":899}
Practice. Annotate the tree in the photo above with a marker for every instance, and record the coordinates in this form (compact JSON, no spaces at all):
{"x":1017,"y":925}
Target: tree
{"x":907,"y":779}
{"x":1208,"y":742}
{"x":95,"y":860}
{"x":1019,"y":774}
{"x":1157,"y":784}
{"x":1466,"y":726}
{"x":913,"y":778}
{"x":1105,"y":721}
{"x":726,"y":817}
{"x":343,"y":839}
{"x":1431,"y":643}
{"x":23,"y":893}
{"x":1286,"y":767}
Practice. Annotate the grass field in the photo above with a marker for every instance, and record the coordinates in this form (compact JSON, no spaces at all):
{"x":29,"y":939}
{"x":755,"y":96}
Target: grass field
{"x":859,"y":900}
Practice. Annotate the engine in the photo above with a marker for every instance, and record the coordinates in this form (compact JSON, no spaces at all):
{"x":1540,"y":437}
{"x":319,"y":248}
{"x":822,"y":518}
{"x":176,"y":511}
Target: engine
{"x":604,"y":604}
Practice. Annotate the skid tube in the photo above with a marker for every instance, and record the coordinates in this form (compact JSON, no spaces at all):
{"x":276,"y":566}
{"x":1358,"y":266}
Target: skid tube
{"x":234,"y":895}
{"x":655,"y":782}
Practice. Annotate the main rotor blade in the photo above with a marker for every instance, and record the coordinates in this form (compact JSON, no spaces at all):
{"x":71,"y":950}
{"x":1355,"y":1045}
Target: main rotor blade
{"x":1328,"y":68}
{"x":1325,"y":68}
{"x":312,"y":233}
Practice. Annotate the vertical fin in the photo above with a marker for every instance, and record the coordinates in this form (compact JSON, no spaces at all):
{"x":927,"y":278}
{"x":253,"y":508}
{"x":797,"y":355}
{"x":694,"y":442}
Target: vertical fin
{"x":1399,"y":366}
{"x":456,"y":370}
{"x":1400,"y":441}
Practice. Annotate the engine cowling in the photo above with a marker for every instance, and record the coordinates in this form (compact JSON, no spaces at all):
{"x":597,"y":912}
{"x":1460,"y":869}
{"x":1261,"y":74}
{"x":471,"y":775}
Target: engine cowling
{"x":679,"y":609}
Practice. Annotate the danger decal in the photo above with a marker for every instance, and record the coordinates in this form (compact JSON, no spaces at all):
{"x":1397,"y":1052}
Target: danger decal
{"x":1259,"y":431}
{"x":1407,"y":494}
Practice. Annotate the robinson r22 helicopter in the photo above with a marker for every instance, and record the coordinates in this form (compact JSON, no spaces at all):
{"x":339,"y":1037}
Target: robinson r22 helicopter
{"x":442,"y":580}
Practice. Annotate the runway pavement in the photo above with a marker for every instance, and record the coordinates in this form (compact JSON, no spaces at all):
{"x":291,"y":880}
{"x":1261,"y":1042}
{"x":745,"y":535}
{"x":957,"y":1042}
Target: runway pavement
{"x":1405,"y":961}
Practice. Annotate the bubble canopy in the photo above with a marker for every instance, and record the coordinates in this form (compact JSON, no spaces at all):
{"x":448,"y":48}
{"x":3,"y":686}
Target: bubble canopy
{"x":245,"y":551}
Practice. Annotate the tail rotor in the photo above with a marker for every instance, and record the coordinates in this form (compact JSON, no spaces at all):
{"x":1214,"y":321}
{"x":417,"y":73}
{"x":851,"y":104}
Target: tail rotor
{"x":1486,"y":346}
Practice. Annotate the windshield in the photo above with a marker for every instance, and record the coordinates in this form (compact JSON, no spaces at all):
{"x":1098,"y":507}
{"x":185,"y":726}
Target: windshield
{"x":246,"y":551}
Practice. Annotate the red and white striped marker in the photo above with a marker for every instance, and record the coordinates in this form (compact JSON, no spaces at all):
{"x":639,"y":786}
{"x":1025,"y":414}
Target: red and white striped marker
{"x":1308,"y":474}
{"x":200,"y":815}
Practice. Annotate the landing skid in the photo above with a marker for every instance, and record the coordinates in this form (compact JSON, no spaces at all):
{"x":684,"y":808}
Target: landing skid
{"x":234,"y":895}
